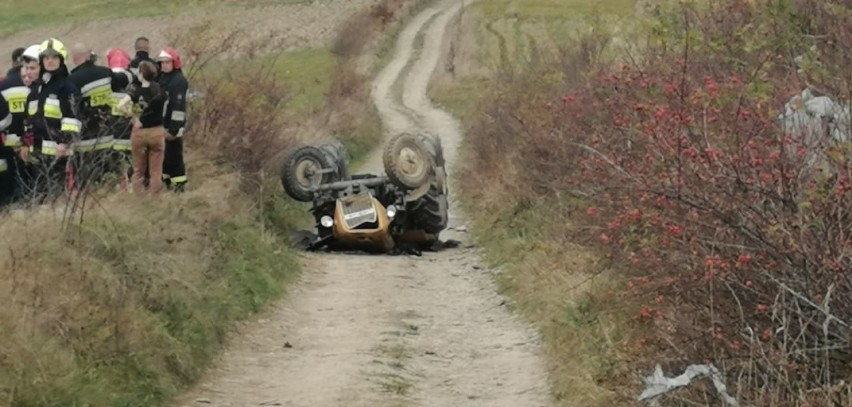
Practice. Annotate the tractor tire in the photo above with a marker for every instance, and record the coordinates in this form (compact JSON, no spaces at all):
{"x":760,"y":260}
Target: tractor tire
{"x":408,"y":162}
{"x":432,"y":211}
{"x":300,"y":172}
{"x":439,"y":151}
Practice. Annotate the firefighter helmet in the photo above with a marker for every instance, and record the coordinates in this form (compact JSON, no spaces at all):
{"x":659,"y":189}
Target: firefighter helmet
{"x":169,"y":54}
{"x":31,"y":52}
{"x":53,"y":47}
{"x":118,"y":58}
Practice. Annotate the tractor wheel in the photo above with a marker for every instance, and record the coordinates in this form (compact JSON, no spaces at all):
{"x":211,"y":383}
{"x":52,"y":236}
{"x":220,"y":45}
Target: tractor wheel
{"x":407,"y":161}
{"x":432,"y":211}
{"x":305,"y":168}
{"x":439,"y":151}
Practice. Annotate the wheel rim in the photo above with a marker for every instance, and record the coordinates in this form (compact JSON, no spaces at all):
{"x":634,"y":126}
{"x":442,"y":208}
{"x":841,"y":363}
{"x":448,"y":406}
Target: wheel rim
{"x":411,"y":163}
{"x":308,"y":173}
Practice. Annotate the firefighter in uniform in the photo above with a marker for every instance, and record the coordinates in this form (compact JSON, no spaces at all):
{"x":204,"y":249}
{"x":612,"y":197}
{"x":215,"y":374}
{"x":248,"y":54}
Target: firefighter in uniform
{"x":92,"y":152}
{"x":8,"y":181}
{"x":174,"y":83}
{"x":15,"y":91}
{"x":52,"y":124}
{"x":118,"y":60}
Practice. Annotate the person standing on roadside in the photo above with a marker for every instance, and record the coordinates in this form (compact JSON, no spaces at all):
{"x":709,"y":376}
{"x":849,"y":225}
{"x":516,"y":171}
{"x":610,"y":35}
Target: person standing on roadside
{"x":148,"y":138}
{"x":95,"y":145}
{"x":8,"y":183}
{"x":16,"y":90}
{"x":52,"y":124}
{"x":118,"y":60}
{"x":174,"y":83}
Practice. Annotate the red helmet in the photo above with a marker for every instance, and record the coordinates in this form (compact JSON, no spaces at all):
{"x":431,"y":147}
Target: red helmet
{"x":118,"y":58}
{"x":169,"y":54}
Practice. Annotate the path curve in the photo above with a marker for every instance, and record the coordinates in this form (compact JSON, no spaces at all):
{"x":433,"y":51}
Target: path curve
{"x":394,"y":331}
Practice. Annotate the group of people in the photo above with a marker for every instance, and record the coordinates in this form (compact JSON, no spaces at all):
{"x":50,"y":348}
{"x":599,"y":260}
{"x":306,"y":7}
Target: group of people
{"x":64,"y":130}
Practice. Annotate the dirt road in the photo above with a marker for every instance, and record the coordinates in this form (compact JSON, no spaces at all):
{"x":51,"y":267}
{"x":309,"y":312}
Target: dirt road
{"x":370,"y":331}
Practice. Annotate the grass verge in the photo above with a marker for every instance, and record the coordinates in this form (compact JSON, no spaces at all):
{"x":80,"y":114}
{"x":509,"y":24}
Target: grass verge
{"x":128,"y":307}
{"x":556,"y":285}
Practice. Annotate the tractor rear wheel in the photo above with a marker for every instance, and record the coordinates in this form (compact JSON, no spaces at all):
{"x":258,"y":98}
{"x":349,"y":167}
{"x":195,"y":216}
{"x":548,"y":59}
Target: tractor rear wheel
{"x":432,"y":211}
{"x":408,"y":162}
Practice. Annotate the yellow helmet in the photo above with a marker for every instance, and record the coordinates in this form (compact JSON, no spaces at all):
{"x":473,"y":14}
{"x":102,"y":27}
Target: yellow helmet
{"x":53,"y":47}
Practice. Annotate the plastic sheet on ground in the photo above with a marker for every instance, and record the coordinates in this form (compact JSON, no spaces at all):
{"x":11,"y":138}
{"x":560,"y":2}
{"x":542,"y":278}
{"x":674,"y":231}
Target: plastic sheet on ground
{"x":657,"y":385}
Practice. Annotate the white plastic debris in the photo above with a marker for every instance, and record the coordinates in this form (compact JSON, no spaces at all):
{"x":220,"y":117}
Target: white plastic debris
{"x":657,"y":385}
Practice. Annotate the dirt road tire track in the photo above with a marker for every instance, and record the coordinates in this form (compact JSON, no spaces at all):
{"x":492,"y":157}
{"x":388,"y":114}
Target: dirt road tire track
{"x":377,"y":331}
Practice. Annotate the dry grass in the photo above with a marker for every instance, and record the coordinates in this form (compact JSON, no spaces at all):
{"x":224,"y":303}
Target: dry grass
{"x":130,"y":305}
{"x":366,"y":27}
{"x":128,"y":302}
{"x":594,"y":330}
{"x":560,"y":286}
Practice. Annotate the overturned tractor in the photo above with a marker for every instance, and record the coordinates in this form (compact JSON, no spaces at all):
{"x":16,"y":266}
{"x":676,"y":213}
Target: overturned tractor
{"x":405,"y":207}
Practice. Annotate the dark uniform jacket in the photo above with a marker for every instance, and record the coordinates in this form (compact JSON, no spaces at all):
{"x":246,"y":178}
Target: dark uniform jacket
{"x":14,"y":72}
{"x":8,"y":160}
{"x":15,"y":93}
{"x":95,"y":84}
{"x":52,"y":111}
{"x":138,"y":58}
{"x":120,"y":125}
{"x":176,"y":86}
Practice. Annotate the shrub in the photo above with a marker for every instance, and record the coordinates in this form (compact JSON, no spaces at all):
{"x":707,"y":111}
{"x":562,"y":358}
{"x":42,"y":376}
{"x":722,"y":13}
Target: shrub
{"x":362,"y":28}
{"x":730,"y":231}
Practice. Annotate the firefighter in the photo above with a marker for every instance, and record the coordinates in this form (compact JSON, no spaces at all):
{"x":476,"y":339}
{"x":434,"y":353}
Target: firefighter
{"x":15,"y":91}
{"x":8,"y":182}
{"x":176,"y":86}
{"x":95,"y":146}
{"x":120,"y":125}
{"x":52,"y":124}
{"x":118,"y":61}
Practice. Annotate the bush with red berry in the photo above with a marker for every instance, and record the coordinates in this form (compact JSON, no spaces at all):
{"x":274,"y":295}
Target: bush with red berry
{"x":733,"y":233}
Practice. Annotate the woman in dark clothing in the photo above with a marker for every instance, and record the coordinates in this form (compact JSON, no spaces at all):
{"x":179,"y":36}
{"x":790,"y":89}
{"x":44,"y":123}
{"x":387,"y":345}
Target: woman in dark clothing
{"x":148,"y":138}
